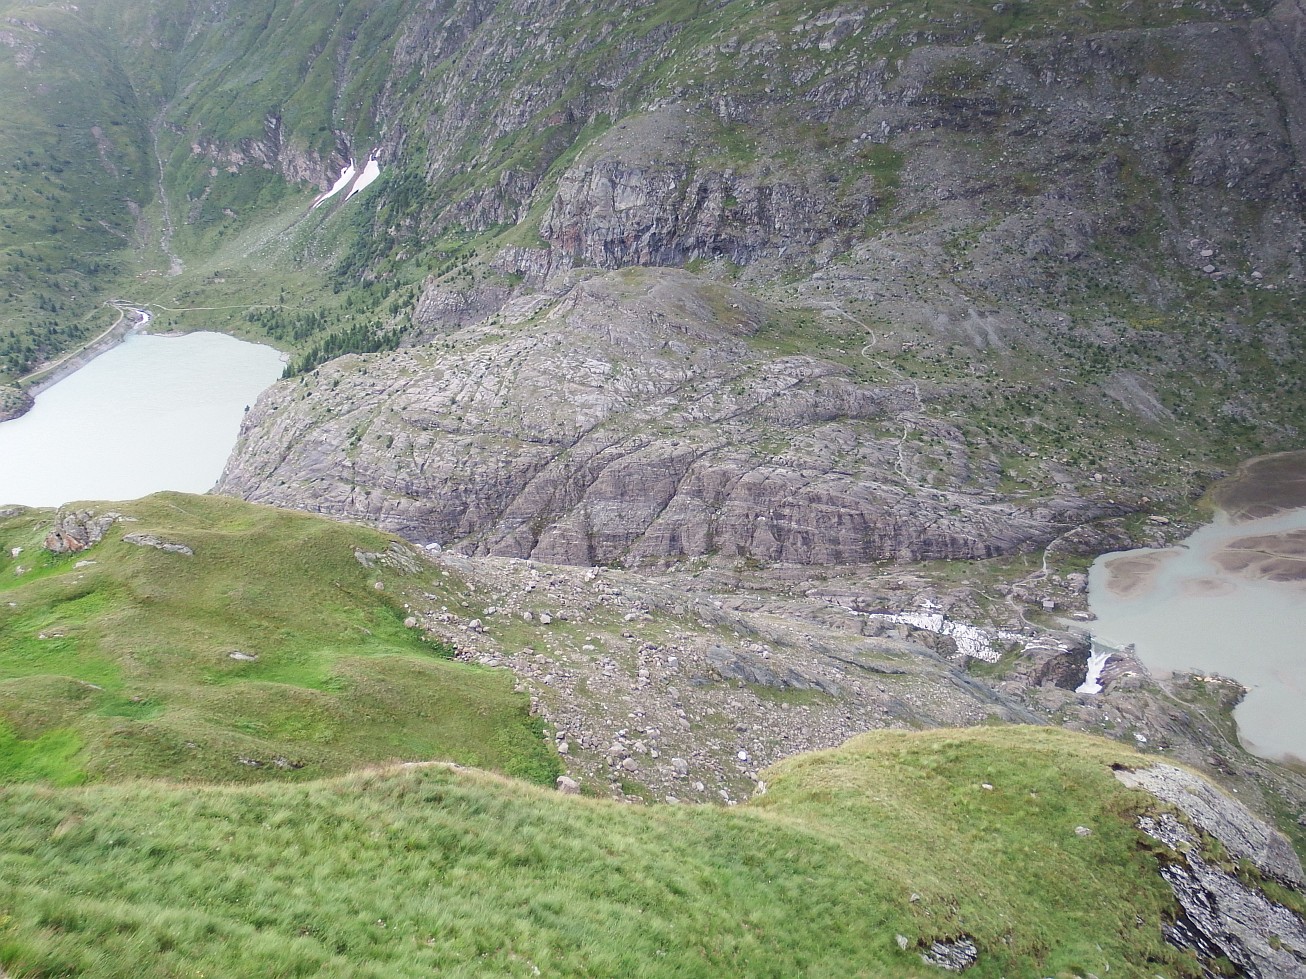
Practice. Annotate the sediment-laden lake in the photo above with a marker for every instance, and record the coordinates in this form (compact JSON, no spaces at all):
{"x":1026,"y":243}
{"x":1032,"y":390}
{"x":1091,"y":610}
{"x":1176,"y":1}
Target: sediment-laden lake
{"x":153,"y":413}
{"x":1231,"y":599}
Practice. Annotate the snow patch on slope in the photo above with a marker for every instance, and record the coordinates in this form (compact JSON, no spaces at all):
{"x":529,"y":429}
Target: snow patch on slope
{"x":370,"y":172}
{"x":345,"y":177}
{"x":971,"y":640}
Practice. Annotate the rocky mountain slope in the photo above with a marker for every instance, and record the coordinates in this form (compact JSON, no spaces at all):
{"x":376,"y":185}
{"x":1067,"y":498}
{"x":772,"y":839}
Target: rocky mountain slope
{"x":644,"y":416}
{"x":758,"y":291}
{"x":976,"y":265}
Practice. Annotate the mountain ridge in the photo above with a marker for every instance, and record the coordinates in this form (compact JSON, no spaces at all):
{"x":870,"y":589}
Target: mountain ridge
{"x":815,"y":312}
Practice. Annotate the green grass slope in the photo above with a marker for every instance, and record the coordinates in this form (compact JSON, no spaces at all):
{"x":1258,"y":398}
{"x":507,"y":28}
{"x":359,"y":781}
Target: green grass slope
{"x":74,"y":170}
{"x":294,"y":79}
{"x":93,"y":93}
{"x":122,"y":667}
{"x":423,"y":871}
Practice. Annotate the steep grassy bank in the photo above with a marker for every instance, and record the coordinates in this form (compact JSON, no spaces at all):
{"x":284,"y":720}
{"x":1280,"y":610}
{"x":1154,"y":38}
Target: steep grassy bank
{"x":409,"y":871}
{"x":270,"y":652}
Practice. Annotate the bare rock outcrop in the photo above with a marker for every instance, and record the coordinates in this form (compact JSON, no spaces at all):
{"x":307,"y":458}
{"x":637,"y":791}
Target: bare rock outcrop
{"x":640,"y":198}
{"x":76,"y":530}
{"x":273,"y":151}
{"x":1213,"y":812}
{"x":641,"y":419}
{"x":1058,"y":144}
{"x":1224,"y":915}
{"x":13,"y":402}
{"x":748,"y":668}
{"x":397,"y":557}
{"x":954,"y":956}
{"x":159,"y":544}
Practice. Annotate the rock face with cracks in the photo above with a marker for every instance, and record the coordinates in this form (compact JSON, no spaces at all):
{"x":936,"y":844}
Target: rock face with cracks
{"x":1224,"y":915}
{"x":1018,"y":225}
{"x":641,"y":419}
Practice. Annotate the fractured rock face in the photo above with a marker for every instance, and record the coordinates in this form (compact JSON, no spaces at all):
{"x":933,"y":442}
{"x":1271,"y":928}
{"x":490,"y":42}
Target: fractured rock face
{"x":640,"y":199}
{"x":1223,"y":915}
{"x":1066,"y":669}
{"x":954,"y":956}
{"x":1241,"y":833}
{"x":636,"y":422}
{"x":745,"y":668}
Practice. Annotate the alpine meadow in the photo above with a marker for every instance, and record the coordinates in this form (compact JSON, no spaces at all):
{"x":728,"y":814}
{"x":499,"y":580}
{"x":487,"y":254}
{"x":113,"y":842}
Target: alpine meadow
{"x":681,"y":539}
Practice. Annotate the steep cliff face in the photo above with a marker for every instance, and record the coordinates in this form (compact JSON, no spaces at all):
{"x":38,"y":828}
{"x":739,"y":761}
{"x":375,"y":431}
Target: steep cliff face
{"x":746,"y":134}
{"x":641,"y":418}
{"x":270,"y":151}
{"x":640,"y":196}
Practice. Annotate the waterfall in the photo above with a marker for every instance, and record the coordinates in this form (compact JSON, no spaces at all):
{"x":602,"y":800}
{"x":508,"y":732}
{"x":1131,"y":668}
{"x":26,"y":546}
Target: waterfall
{"x":1097,"y":661}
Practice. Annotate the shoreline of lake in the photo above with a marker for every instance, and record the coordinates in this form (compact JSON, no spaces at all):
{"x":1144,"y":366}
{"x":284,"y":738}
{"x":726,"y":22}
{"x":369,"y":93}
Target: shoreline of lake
{"x":44,"y":378}
{"x":1228,"y":600}
{"x":147,"y":413}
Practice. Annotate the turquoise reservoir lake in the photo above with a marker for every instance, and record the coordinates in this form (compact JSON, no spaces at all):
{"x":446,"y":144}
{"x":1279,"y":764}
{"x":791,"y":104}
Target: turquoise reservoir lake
{"x":153,"y":413}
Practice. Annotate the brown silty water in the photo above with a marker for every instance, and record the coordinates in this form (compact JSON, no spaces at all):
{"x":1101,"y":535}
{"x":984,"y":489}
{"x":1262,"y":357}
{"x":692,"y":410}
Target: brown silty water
{"x":1231,"y":599}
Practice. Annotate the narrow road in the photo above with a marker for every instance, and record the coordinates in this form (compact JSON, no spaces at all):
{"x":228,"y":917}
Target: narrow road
{"x":47,"y":373}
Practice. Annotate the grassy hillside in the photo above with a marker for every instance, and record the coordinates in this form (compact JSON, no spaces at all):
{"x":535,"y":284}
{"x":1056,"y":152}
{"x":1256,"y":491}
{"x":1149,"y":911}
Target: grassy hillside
{"x":428,"y":870}
{"x":73,"y":171}
{"x":127,"y":661}
{"x":113,"y":101}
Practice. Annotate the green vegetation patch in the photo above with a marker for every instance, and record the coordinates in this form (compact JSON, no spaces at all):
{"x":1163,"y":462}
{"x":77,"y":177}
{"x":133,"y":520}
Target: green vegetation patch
{"x":271,"y":651}
{"x":48,"y":758}
{"x":427,"y":870}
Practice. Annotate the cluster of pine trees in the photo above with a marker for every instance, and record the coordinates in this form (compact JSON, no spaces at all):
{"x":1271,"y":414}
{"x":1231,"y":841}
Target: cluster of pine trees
{"x":359,"y":338}
{"x":27,"y":348}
